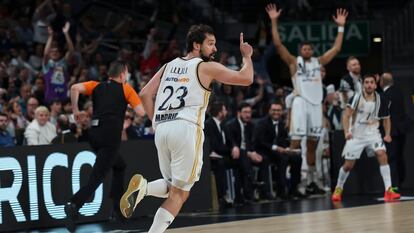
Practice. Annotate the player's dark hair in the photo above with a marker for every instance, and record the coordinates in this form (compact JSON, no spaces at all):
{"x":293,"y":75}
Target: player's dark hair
{"x":197,"y":34}
{"x":306,"y":43}
{"x":368,"y":76}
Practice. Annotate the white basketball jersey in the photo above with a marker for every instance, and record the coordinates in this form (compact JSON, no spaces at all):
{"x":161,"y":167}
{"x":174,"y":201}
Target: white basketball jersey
{"x":364,"y":124}
{"x":180,"y":94}
{"x":307,"y":81}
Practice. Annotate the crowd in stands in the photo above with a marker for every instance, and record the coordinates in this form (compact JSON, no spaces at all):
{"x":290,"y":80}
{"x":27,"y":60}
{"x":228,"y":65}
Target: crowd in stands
{"x":45,"y":48}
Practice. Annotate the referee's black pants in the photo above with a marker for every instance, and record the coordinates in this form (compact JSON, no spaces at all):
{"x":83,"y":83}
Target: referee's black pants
{"x":107,"y":158}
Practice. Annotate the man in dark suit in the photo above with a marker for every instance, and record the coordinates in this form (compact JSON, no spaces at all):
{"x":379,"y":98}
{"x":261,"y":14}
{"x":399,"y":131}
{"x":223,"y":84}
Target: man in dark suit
{"x":240,"y":133}
{"x":398,"y":129}
{"x":271,"y":141}
{"x":219,"y":152}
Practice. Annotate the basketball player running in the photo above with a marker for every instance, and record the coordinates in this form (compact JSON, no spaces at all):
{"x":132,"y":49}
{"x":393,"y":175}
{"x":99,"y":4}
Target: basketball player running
{"x":182,"y":92}
{"x":306,"y":115}
{"x":364,"y":111}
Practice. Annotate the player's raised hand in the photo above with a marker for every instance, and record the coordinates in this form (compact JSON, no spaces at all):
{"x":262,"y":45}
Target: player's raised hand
{"x":245,"y":49}
{"x":272,"y":11}
{"x":340,"y":17}
{"x":66,"y":28}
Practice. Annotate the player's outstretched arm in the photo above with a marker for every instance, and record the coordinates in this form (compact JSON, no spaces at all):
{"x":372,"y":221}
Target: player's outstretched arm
{"x":148,"y":93}
{"x":274,"y":14}
{"x":340,"y":20}
{"x":216,"y":71}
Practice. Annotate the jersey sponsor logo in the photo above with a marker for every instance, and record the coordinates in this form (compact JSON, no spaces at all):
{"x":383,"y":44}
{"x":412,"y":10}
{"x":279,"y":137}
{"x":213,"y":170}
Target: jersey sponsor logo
{"x":179,"y":70}
{"x":177,"y":80}
{"x":165,"y":117}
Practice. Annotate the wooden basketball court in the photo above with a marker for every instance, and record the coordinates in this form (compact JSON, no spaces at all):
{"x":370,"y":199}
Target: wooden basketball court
{"x":389,"y":217}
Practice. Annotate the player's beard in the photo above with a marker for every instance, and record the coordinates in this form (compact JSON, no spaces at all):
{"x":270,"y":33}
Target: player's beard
{"x":205,"y":57}
{"x":369,"y":91}
{"x":307,"y":58}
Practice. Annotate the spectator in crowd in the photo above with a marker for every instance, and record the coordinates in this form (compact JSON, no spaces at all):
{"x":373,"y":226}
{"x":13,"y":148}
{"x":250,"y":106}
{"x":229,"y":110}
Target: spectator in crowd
{"x":17,"y":121}
{"x":40,"y":131}
{"x":39,"y":89}
{"x":35,"y":60}
{"x":130,"y":130}
{"x":55,"y":66}
{"x":55,"y":110}
{"x":67,"y":107}
{"x":279,"y":93}
{"x":88,"y":107}
{"x":25,"y":93}
{"x":226,"y":95}
{"x":42,"y":16}
{"x":150,"y":56}
{"x":24,"y":31}
{"x":6,"y":140}
{"x":84,"y":124}
{"x":31,"y":105}
{"x":171,"y":52}
{"x":66,"y":132}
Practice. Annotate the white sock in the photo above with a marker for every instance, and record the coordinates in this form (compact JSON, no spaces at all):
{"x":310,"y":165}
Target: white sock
{"x":386,"y":175}
{"x":158,"y":188}
{"x":343,"y":175}
{"x":311,"y":174}
{"x":162,"y":220}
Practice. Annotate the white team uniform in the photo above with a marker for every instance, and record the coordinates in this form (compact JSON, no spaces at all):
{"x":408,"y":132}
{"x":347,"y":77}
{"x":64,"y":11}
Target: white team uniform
{"x":306,"y":115}
{"x":364,"y":128}
{"x":179,"y":115}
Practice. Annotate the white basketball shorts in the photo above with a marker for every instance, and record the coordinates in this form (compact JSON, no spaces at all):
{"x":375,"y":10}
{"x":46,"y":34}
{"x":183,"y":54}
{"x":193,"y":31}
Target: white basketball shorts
{"x":180,"y":152}
{"x":354,"y":146}
{"x":306,"y":119}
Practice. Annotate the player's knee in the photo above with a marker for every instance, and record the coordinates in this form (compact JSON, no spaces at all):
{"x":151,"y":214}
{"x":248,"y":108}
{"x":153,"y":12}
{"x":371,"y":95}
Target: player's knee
{"x":178,"y":195}
{"x":382,"y":157}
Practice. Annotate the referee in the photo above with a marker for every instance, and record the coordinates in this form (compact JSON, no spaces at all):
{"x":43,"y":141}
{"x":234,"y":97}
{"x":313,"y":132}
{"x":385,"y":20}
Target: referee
{"x":110,"y":100}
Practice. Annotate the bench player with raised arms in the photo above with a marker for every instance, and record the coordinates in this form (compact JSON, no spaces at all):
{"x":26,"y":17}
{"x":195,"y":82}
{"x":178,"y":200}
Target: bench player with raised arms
{"x":306,"y":113}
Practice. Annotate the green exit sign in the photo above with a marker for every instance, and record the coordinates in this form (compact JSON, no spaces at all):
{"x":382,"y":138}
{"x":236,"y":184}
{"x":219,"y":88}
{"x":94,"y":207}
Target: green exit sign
{"x":322,"y":35}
